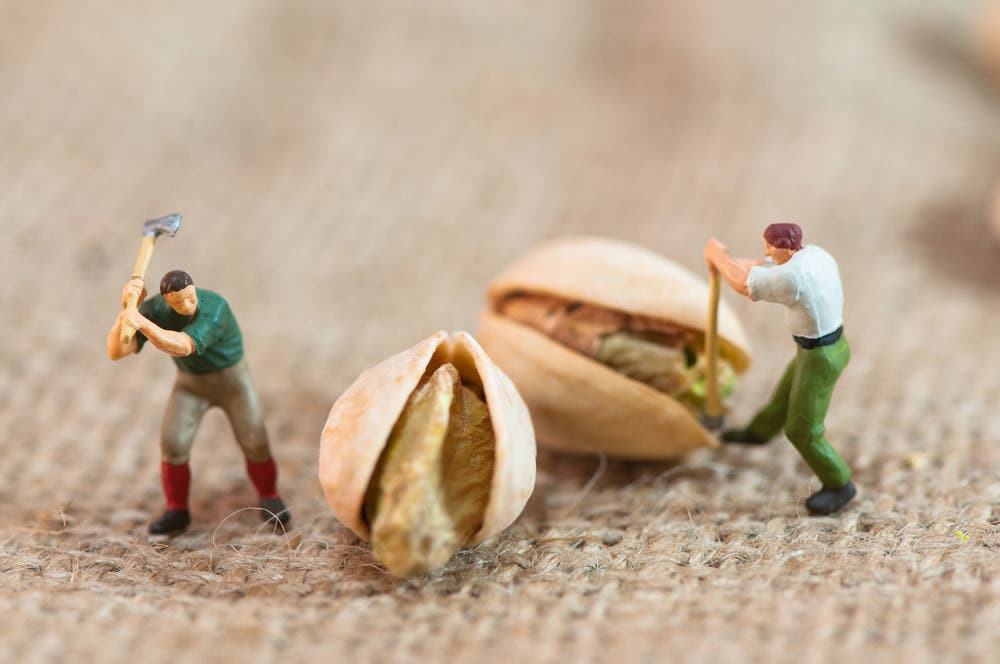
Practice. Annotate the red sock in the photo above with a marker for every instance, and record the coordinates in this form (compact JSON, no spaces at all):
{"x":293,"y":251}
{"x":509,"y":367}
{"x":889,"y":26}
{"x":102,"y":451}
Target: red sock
{"x":176,"y":482}
{"x":264,"y":475}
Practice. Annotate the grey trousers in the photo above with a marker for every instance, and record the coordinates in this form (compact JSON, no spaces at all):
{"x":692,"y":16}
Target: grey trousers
{"x":231,"y":390}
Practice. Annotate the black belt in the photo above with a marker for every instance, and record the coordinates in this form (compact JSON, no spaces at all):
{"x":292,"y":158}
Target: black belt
{"x":808,"y":343}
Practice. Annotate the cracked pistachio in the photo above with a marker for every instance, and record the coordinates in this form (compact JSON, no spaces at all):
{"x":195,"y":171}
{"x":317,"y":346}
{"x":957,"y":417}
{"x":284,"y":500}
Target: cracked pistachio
{"x":986,"y":36}
{"x":428,"y":452}
{"x":606,"y":342}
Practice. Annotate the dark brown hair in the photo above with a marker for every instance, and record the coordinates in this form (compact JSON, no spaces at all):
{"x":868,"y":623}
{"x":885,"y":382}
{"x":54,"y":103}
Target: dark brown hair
{"x":174,"y":281}
{"x":784,"y":236}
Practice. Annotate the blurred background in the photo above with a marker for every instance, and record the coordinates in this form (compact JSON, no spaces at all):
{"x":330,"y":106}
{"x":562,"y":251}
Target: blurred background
{"x":351,"y":175}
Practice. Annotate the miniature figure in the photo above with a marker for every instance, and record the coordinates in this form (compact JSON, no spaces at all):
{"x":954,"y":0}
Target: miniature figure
{"x":197,"y":328}
{"x":806,"y":280}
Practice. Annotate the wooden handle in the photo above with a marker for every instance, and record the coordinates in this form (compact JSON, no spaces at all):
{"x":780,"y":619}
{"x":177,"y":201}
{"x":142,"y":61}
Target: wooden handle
{"x":713,"y":400}
{"x":141,"y":265}
{"x":145,"y":253}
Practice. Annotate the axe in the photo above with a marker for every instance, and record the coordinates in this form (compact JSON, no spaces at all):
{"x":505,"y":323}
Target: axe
{"x":714,"y":412}
{"x":151,"y":230}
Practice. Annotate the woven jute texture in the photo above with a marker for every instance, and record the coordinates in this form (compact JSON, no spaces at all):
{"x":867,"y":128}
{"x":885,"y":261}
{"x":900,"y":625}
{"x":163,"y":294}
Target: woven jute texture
{"x":351,"y":175}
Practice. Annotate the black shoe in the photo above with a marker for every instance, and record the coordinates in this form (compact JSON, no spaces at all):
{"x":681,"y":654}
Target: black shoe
{"x":828,"y":501}
{"x":741,"y":436}
{"x":275,"y":511}
{"x":171,"y":523}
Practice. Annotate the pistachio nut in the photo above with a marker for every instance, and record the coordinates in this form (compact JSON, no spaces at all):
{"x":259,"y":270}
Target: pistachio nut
{"x":995,"y":211}
{"x":606,"y":341}
{"x":986,"y":36}
{"x":428,"y":452}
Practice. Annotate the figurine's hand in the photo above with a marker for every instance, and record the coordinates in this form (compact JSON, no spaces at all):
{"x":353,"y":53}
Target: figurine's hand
{"x":135,"y":286}
{"x":714,"y":249}
{"x":134,"y":318}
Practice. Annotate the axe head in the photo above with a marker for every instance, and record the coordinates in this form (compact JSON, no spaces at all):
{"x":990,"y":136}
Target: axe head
{"x":167,"y":225}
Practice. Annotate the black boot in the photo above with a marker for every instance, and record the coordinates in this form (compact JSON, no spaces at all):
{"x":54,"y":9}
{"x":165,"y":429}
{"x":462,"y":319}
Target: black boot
{"x":275,"y":511}
{"x":828,"y":501}
{"x":741,"y":436}
{"x":171,"y":523}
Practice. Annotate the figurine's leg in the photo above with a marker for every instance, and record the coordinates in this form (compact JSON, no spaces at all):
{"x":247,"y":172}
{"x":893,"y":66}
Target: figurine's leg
{"x":770,"y":420}
{"x":816,"y":375}
{"x":180,"y":424}
{"x":242,"y":407}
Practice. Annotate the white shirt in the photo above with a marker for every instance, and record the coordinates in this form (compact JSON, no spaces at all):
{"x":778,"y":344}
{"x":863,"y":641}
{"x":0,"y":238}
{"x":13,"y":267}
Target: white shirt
{"x":809,"y":285}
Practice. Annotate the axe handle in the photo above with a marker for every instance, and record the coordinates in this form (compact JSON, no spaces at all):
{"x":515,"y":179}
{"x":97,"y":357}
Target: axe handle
{"x":141,"y":265}
{"x":713,"y":400}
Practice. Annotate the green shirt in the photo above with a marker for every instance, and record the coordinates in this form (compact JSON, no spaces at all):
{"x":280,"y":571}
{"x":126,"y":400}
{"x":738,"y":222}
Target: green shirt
{"x":218,"y":343}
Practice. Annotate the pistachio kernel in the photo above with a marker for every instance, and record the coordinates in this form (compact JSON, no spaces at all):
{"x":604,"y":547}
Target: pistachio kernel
{"x":431,"y":486}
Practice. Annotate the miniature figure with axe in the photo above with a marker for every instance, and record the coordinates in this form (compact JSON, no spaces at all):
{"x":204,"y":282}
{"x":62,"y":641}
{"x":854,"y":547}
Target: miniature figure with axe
{"x":197,"y":328}
{"x":806,"y":280}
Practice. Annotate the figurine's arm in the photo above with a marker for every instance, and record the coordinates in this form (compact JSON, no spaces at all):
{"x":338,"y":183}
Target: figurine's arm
{"x":749,"y":262}
{"x":734,"y":270}
{"x":116,"y":349}
{"x":176,"y":344}
{"x":172,"y":343}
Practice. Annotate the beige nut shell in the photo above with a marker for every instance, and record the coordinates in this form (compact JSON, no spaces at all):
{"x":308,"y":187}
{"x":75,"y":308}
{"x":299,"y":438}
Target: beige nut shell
{"x":986,"y":36}
{"x":995,"y":211}
{"x":577,"y":404}
{"x":361,"y":420}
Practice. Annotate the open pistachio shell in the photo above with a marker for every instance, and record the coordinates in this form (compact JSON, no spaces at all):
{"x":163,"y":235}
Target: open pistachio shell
{"x":362,"y":419}
{"x":995,"y":211}
{"x":577,"y":403}
{"x":986,"y":36}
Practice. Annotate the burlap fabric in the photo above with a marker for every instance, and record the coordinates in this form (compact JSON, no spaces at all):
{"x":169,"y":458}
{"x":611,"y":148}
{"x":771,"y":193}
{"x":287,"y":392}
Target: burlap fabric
{"x":351,"y":175}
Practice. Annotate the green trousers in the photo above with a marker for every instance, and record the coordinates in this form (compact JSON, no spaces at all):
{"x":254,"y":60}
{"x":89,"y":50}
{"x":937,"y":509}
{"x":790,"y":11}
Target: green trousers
{"x":799,"y":407}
